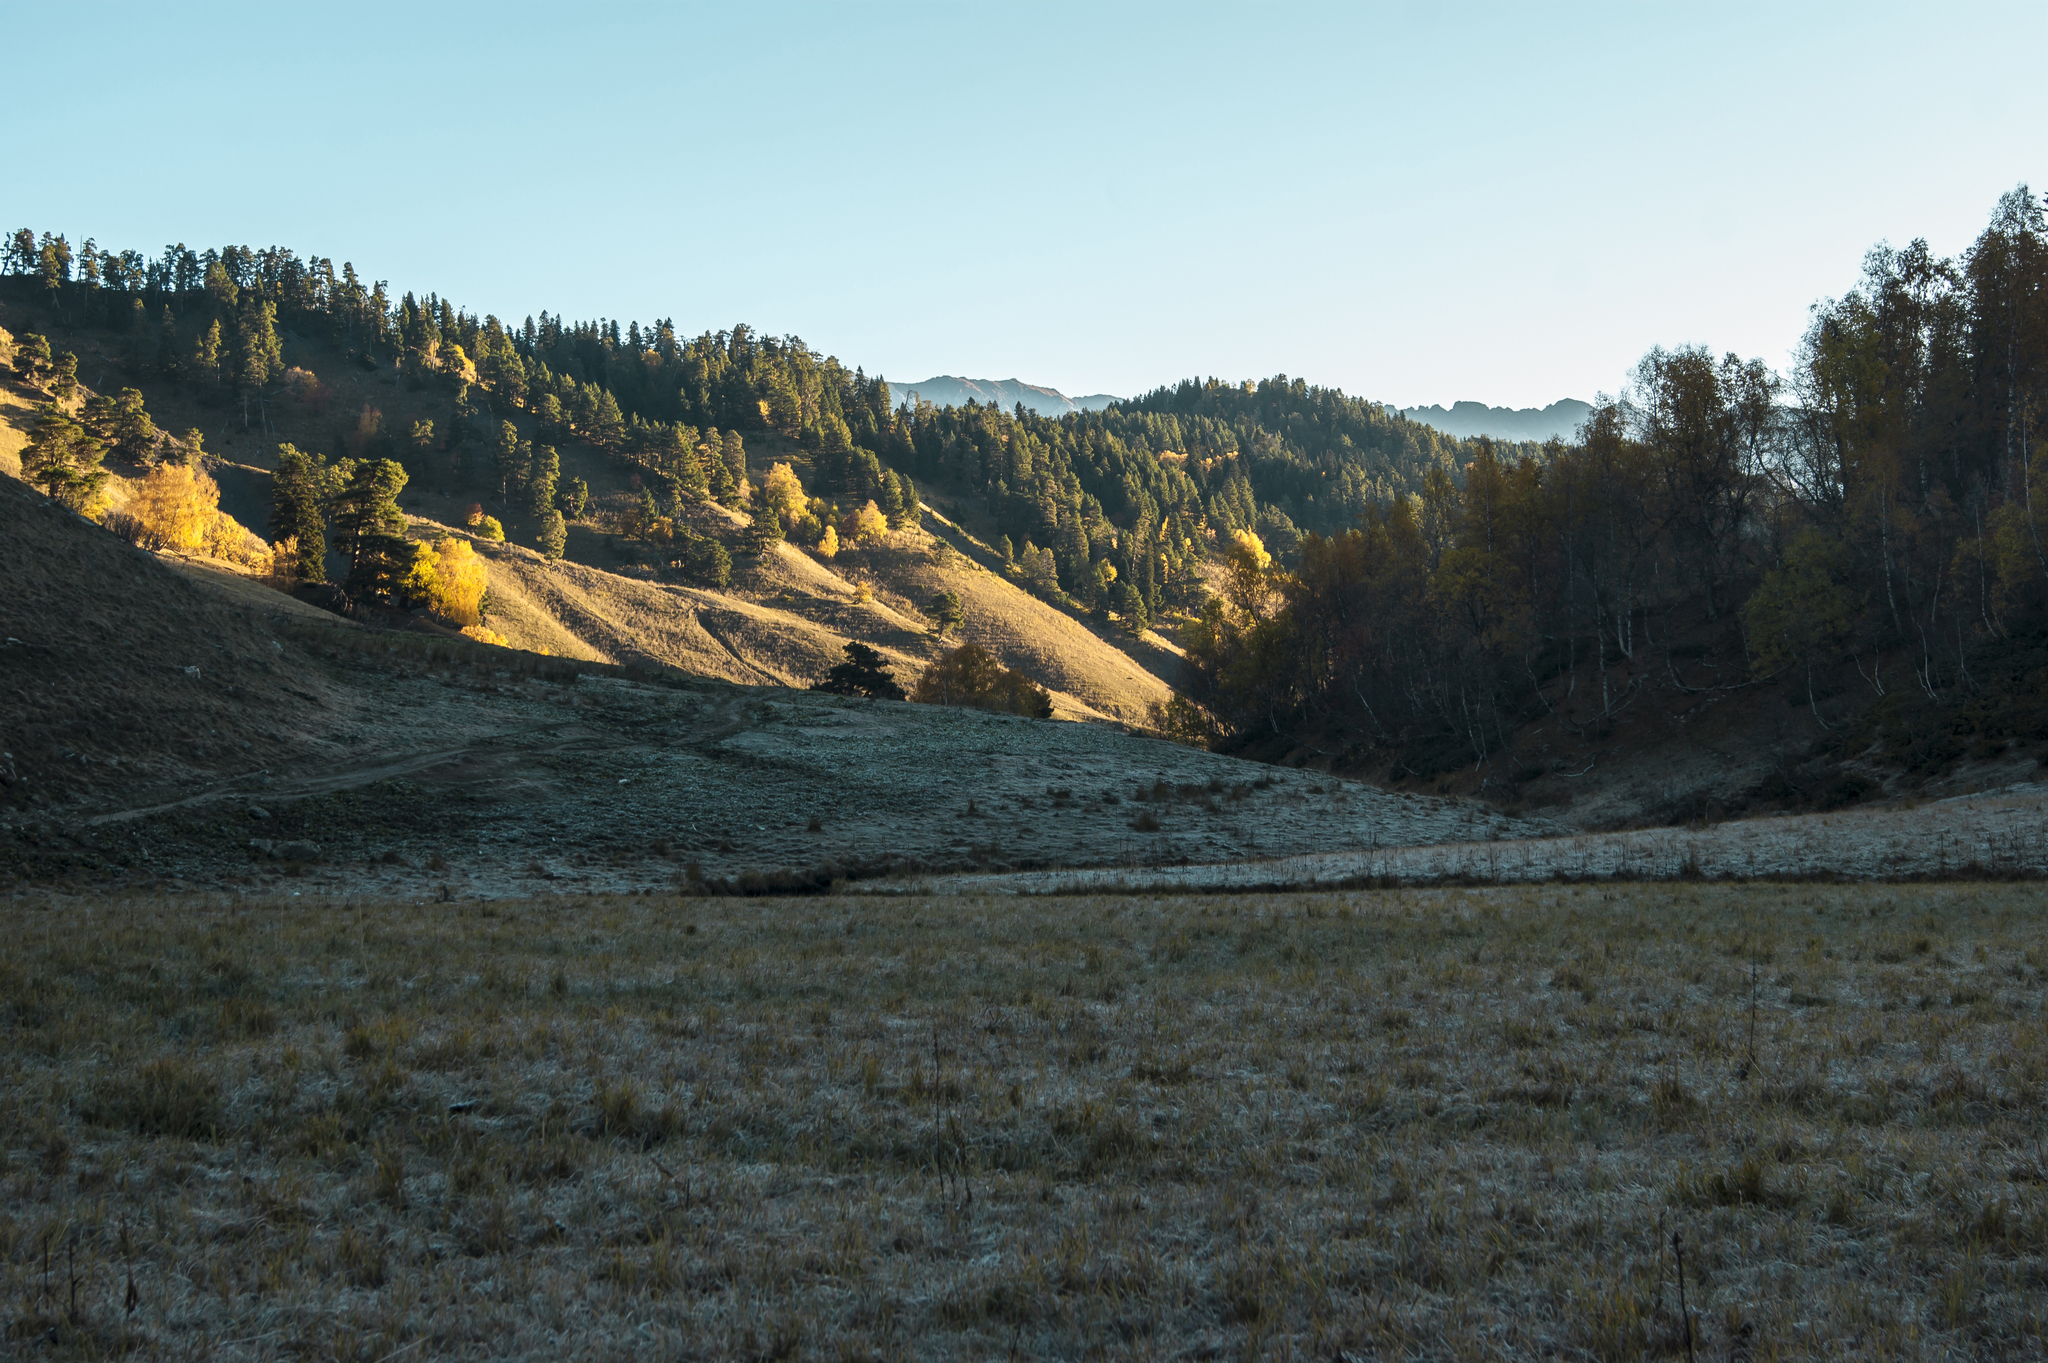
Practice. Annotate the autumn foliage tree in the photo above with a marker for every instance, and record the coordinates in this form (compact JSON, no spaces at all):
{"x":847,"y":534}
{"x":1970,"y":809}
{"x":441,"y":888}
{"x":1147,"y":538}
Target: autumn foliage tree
{"x":968,"y":676}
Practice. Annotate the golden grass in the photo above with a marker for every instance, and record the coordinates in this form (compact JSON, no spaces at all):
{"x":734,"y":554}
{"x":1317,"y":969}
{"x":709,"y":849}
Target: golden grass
{"x":1424,"y":1123}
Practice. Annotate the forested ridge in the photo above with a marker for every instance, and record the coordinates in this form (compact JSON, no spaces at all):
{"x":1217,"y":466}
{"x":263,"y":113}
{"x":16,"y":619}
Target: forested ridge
{"x":1859,"y":536}
{"x":1114,"y":510}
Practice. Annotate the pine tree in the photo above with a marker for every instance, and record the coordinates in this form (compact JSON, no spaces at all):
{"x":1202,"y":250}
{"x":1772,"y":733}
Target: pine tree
{"x":575,"y":497}
{"x":169,"y":362}
{"x":298,"y":493}
{"x":946,"y":609}
{"x":724,"y":490}
{"x":64,"y":382}
{"x":913,"y":513}
{"x":862,"y":674}
{"x":125,"y":426}
{"x":366,"y":507}
{"x":32,"y":359}
{"x":63,"y":459}
{"x":735,"y":454}
{"x":206,"y":353}
{"x":254,"y":353}
{"x":541,"y":478}
{"x":607,"y":425}
{"x":554,"y":534}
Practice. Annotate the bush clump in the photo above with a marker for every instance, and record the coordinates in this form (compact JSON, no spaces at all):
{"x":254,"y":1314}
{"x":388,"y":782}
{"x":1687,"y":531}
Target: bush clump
{"x":969,"y":677}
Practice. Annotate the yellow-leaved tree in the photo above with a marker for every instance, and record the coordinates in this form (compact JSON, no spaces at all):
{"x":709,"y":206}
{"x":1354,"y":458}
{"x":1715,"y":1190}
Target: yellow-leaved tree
{"x":450,"y":579}
{"x":174,"y":507}
{"x":1246,"y":564}
{"x":866,"y":526}
{"x":782,"y":493}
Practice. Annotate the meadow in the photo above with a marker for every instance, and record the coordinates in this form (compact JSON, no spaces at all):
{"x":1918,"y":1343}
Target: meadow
{"x":1419,"y":1123}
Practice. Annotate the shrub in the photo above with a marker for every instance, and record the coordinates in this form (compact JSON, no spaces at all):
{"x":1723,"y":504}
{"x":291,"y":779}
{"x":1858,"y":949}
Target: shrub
{"x":968,"y":676}
{"x":485,"y":527}
{"x":485,"y":634}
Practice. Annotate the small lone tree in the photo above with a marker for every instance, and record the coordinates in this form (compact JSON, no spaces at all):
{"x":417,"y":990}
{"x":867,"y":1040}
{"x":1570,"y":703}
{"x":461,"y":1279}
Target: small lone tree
{"x":862,"y":674}
{"x":554,"y":535}
{"x":945,"y":608}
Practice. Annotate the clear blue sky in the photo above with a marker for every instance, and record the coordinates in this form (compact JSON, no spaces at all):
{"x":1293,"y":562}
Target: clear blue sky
{"x":1415,"y":203}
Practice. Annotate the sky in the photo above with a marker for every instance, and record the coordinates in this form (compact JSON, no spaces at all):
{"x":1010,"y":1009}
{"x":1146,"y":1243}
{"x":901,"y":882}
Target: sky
{"x":1415,"y":203}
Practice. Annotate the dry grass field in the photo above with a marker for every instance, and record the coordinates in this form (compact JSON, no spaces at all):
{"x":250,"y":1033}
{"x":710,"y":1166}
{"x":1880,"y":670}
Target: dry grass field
{"x":1423,"y":1123}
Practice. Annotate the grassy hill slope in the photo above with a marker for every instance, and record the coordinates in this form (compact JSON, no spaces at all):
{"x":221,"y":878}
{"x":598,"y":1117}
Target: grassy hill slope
{"x":785,"y":619}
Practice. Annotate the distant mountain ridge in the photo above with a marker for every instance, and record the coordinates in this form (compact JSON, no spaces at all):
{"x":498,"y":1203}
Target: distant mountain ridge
{"x":1467,"y":419}
{"x":949,"y":390}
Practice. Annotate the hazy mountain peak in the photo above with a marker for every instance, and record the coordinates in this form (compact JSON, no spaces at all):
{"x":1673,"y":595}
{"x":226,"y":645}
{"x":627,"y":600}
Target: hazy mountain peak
{"x":949,"y":390}
{"x":1466,"y":419}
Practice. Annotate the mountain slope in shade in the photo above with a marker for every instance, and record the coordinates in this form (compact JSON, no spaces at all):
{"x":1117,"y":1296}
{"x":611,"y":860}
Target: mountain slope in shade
{"x":948,"y":390}
{"x":1467,"y":419}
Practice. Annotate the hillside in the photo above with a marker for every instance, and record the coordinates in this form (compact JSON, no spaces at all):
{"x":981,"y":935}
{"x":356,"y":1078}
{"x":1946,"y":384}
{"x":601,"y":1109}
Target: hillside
{"x":784,"y":619}
{"x":946,"y":390}
{"x":173,"y":721}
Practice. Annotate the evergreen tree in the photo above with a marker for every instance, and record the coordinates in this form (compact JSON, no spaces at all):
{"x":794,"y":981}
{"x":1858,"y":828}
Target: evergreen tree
{"x":554,"y":534}
{"x":541,"y":479}
{"x":206,"y":354}
{"x":64,"y":382}
{"x":63,"y":459}
{"x":32,"y":359}
{"x":945,"y":608}
{"x":575,"y":497}
{"x":366,"y":506}
{"x":169,"y":357}
{"x":724,"y":490}
{"x":862,"y":674}
{"x":134,"y":433}
{"x":735,"y":455}
{"x":913,"y":513}
{"x":256,"y":353}
{"x":299,"y":491}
